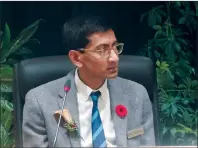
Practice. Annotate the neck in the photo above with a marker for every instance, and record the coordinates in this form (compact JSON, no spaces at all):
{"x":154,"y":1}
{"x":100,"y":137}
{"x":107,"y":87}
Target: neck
{"x":93,"y":82}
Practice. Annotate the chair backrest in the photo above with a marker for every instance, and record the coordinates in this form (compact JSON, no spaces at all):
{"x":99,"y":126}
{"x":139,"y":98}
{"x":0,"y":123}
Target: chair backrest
{"x":34,"y":72}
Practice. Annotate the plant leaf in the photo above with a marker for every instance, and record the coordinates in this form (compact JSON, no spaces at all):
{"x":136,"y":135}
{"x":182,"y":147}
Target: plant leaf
{"x":4,"y":136}
{"x":157,"y":27}
{"x":173,"y":131}
{"x":158,"y":18}
{"x":157,"y":54}
{"x":32,"y":42}
{"x":6,"y":105}
{"x":187,"y":7}
{"x":23,"y":37}
{"x":184,"y":42}
{"x":165,"y":106}
{"x":143,"y":16}
{"x":5,"y":88}
{"x":161,"y":41}
{"x":11,"y":61}
{"x":170,"y":50}
{"x":163,"y":13}
{"x":5,"y":71}
{"x":7,"y":119}
{"x":174,"y":109}
{"x":23,"y":51}
{"x":5,"y":43}
{"x":169,"y":32}
{"x":151,"y":19}
{"x":6,"y":38}
{"x":194,"y":83}
{"x":181,"y":86}
{"x":158,"y":63}
{"x":182,"y":20}
{"x":1,"y":33}
{"x":177,"y":46}
{"x":164,"y":130}
{"x":159,"y":33}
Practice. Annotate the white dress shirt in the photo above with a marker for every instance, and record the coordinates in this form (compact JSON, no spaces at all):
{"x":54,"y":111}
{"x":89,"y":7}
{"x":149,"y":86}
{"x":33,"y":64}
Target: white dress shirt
{"x":85,"y":105}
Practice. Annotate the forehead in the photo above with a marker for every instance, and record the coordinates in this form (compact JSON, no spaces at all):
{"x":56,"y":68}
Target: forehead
{"x":107,"y":37}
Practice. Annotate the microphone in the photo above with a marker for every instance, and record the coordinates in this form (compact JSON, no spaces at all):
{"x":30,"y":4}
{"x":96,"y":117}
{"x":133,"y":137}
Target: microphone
{"x":67,"y":87}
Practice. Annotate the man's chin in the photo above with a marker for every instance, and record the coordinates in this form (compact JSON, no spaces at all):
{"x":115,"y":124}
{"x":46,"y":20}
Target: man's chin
{"x":112,"y":75}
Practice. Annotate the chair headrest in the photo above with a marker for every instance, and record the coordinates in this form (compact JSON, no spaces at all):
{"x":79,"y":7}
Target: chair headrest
{"x":37,"y":71}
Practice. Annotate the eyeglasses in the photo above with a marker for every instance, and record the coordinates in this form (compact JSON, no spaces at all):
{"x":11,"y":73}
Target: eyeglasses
{"x":104,"y":52}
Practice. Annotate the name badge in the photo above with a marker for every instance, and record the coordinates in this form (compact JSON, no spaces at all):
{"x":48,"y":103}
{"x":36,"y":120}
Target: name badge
{"x":135,"y":132}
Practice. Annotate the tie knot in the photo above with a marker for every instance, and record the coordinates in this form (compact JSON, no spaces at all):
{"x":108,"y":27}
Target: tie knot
{"x":95,"y":95}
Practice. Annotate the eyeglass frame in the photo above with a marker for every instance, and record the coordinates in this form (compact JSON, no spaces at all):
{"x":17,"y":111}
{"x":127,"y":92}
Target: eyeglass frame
{"x":90,"y":50}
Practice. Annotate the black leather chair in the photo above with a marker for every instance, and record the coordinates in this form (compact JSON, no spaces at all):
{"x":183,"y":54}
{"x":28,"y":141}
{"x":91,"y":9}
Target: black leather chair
{"x":34,"y":72}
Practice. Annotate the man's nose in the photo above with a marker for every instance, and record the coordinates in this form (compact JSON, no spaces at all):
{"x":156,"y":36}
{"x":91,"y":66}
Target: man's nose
{"x":113,"y":57}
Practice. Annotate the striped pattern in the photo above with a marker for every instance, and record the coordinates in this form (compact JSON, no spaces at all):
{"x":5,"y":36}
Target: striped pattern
{"x":98,"y":136}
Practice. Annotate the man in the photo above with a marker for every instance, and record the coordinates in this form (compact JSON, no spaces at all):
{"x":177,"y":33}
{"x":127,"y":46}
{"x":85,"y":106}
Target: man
{"x":106,"y":110}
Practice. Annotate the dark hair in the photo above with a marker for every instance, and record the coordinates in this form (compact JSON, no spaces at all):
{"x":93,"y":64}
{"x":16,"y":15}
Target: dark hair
{"x":76,"y":31}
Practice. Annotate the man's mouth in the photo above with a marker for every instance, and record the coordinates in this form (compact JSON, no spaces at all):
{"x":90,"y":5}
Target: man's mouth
{"x":112,"y":68}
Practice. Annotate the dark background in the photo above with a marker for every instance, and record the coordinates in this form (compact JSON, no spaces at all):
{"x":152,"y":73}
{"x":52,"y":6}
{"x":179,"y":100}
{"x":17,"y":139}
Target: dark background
{"x":125,"y":16}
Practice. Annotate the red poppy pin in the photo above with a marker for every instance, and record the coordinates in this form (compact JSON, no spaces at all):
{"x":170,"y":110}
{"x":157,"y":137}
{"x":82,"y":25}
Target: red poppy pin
{"x":121,"y":111}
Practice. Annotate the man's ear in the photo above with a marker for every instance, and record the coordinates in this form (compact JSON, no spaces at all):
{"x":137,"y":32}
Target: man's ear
{"x":75,"y":58}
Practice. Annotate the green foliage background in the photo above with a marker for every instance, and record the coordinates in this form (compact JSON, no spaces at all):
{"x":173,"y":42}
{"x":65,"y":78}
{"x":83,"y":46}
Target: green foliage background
{"x":11,"y":52}
{"x":171,"y":48}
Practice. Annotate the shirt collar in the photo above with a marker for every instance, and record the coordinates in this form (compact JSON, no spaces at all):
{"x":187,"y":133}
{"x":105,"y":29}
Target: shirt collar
{"x":85,"y":90}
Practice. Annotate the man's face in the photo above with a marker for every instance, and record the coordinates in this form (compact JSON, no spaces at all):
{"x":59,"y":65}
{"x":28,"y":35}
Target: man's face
{"x":100,"y":66}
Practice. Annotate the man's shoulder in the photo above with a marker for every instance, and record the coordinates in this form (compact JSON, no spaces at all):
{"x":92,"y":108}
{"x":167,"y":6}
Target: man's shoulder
{"x":131,"y":89}
{"x":129,"y":83}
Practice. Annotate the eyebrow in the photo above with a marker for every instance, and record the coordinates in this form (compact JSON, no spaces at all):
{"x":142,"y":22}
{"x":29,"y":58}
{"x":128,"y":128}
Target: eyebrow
{"x":115,"y":42}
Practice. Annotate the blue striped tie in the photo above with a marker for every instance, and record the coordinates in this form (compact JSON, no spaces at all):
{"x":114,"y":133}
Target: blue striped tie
{"x":98,"y":136}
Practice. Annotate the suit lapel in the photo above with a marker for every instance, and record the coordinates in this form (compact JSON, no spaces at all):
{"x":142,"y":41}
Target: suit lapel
{"x":71,"y":104}
{"x":120,"y":125}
